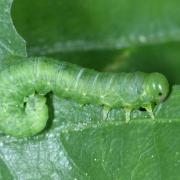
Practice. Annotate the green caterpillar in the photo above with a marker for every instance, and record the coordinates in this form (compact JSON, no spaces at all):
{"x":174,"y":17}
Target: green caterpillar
{"x":23,"y":87}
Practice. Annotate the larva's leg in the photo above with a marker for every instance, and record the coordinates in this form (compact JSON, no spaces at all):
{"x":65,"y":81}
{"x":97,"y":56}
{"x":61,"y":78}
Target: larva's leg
{"x":127,"y":113}
{"x":81,"y":105}
{"x":149,"y":110}
{"x":105,"y":112}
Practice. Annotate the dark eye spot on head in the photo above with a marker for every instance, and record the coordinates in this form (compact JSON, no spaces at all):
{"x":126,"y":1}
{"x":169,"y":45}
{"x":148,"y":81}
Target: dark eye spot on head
{"x":160,"y":94}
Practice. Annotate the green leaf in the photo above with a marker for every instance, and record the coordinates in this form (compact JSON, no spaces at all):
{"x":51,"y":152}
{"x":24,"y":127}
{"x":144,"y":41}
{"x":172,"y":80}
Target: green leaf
{"x":81,"y":145}
{"x":11,"y":44}
{"x":141,"y":150}
{"x":77,"y":143}
{"x":95,"y":24}
{"x":93,"y":31}
{"x":4,"y":171}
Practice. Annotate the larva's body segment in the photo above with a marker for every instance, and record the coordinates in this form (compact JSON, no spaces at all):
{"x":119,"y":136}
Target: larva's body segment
{"x":24,"y":112}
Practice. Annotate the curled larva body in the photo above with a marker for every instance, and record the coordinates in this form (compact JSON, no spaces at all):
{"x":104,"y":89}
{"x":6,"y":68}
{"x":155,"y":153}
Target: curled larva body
{"x":24,"y":112}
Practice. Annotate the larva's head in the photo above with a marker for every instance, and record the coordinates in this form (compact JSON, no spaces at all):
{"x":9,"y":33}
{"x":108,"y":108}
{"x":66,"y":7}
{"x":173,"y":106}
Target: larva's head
{"x":156,"y":87}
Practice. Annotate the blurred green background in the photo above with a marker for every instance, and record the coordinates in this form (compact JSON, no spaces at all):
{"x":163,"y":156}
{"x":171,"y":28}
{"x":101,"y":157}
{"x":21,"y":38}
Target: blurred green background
{"x":104,"y":35}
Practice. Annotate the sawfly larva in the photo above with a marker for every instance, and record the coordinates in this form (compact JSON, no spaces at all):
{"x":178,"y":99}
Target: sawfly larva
{"x":23,"y":87}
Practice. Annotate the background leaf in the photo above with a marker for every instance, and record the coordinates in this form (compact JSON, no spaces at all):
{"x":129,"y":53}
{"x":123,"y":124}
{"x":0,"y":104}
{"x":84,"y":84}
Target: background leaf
{"x":4,"y":171}
{"x":77,"y":25}
{"x":10,"y":42}
{"x":100,"y":34}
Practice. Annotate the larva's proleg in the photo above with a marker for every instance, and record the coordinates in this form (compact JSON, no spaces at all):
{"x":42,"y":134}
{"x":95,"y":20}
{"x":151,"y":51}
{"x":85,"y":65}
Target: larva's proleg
{"x":149,"y":110}
{"x":105,"y":112}
{"x":23,"y":109}
{"x":127,"y":114}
